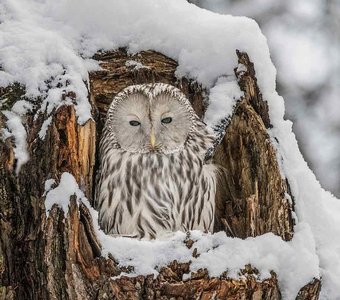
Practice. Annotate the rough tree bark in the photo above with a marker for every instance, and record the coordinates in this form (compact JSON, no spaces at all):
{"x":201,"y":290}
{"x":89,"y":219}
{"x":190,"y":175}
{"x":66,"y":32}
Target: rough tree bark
{"x":59,"y":257}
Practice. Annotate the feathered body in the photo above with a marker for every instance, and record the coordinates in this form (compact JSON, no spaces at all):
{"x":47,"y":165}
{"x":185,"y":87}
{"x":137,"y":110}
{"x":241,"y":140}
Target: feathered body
{"x":153,"y":177}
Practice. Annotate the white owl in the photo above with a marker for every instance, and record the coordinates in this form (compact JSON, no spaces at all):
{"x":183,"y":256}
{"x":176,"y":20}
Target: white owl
{"x":153,"y":177}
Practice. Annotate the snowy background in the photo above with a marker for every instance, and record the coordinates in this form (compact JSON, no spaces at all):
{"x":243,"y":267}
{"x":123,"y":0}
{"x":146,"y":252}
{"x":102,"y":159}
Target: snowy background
{"x":304,"y":42}
{"x":47,"y":46}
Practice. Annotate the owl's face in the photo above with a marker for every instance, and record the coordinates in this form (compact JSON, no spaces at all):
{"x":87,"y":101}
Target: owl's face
{"x":146,"y":122}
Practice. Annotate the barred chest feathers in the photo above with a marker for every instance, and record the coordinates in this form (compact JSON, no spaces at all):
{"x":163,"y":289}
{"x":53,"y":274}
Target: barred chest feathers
{"x":145,"y":195}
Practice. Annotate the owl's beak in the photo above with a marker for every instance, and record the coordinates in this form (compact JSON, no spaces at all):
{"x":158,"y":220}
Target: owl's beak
{"x":152,"y":139}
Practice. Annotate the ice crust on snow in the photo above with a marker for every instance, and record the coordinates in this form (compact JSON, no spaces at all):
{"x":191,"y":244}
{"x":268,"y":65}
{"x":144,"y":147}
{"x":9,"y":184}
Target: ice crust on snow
{"x":47,"y":46}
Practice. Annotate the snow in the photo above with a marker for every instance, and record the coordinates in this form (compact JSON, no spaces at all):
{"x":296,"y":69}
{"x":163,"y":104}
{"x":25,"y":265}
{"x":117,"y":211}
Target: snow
{"x":303,"y":38}
{"x":61,"y":194}
{"x":53,"y":42}
{"x":136,"y":65}
{"x":222,"y":97}
{"x":293,"y":261}
{"x":48,"y":185}
{"x":41,"y":59}
{"x":16,"y":129}
{"x":267,"y":252}
{"x":315,"y":207}
{"x":21,"y":107}
{"x":47,"y":46}
{"x":44,"y":127}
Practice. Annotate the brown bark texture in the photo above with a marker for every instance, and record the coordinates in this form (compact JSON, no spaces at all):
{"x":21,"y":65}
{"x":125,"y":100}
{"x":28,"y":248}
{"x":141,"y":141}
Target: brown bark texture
{"x":59,"y":256}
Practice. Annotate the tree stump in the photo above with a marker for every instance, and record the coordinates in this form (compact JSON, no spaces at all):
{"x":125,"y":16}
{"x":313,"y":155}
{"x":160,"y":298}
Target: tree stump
{"x":59,"y":256}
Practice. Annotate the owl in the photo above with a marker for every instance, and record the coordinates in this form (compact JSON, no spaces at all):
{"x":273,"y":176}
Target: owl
{"x":153,"y":177}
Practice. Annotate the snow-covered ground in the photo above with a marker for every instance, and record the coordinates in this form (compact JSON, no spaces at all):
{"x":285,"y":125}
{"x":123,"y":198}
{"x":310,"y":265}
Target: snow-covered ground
{"x":47,"y":46}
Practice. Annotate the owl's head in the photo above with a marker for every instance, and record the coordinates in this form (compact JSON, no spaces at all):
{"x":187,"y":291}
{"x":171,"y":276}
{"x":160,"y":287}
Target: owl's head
{"x":151,"y":118}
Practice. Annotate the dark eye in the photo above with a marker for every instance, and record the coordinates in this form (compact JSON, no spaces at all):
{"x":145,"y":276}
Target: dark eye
{"x":134,"y":123}
{"x":166,"y":120}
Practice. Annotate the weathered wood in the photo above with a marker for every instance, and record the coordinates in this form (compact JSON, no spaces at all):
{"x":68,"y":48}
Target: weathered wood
{"x":59,"y":257}
{"x":254,"y":197}
{"x":169,"y":287}
{"x":6,"y":158}
{"x":67,"y":147}
{"x":310,"y":291}
{"x":76,"y":147}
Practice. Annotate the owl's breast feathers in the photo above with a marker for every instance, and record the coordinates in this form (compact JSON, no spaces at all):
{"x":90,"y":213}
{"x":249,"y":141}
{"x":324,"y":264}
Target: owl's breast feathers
{"x":147,"y":194}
